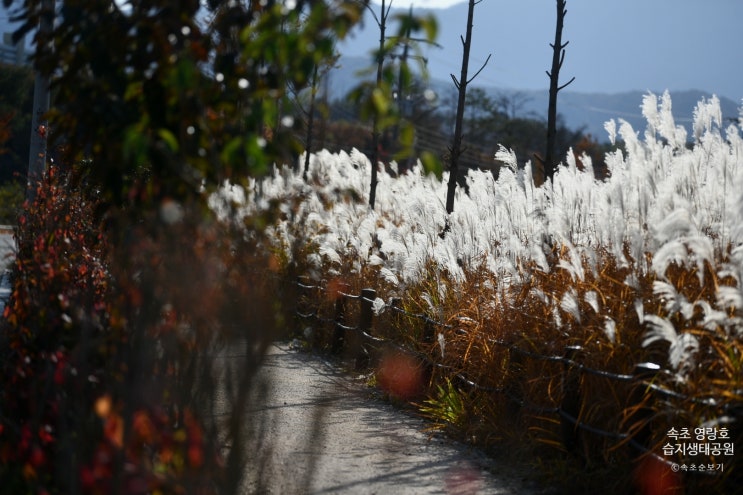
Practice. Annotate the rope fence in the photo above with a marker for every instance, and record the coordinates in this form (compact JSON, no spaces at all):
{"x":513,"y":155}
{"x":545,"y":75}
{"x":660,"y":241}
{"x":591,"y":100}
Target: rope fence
{"x":359,"y":340}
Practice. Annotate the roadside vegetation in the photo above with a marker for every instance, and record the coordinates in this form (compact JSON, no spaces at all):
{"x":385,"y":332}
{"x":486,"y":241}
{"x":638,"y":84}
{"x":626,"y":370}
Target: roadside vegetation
{"x":12,"y":195}
{"x":643,"y":267}
{"x":163,"y":234}
{"x":125,"y":289}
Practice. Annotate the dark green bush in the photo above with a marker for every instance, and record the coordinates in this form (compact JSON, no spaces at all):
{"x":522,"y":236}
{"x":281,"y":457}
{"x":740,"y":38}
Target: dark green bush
{"x":11,"y":201}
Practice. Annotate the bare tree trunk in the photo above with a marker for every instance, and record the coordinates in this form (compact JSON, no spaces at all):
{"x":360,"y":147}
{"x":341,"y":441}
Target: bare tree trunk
{"x":558,"y":56}
{"x":375,"y":124}
{"x":456,"y":148}
{"x":39,"y":125}
{"x":310,"y":124}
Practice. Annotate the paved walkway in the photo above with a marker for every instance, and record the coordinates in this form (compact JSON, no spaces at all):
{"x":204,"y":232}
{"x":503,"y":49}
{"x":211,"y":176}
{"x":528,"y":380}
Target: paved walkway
{"x":317,"y":431}
{"x":314,"y":430}
{"x":7,"y":248}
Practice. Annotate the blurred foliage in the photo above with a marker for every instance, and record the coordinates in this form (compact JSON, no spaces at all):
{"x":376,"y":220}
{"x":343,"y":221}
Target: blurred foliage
{"x":108,"y":379}
{"x":492,"y":120}
{"x":16,"y":98}
{"x":489,"y":120}
{"x":60,"y":283}
{"x":379,"y":98}
{"x":177,"y":96}
{"x":125,"y":288}
{"x":11,"y":201}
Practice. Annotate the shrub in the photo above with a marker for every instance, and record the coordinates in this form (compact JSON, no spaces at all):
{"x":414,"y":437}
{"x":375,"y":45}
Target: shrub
{"x":56,"y":314}
{"x":109,"y":344}
{"x":11,"y":200}
{"x":644,"y":266}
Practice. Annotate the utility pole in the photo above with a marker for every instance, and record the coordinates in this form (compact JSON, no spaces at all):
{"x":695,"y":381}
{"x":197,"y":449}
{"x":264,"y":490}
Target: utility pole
{"x":39,"y":124}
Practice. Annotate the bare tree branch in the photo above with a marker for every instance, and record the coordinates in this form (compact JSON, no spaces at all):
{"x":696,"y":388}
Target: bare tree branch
{"x":418,"y":40}
{"x":558,"y":57}
{"x":456,"y":82}
{"x":385,"y":13}
{"x":560,"y":88}
{"x":480,"y":70}
{"x":375,"y":124}
{"x":461,"y":84}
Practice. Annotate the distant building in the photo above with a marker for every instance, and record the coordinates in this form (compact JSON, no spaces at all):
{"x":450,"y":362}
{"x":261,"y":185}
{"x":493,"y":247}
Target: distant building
{"x":13,"y":54}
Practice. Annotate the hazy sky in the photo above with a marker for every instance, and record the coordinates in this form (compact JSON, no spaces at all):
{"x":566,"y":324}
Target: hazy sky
{"x":428,"y":4}
{"x":615,"y":45}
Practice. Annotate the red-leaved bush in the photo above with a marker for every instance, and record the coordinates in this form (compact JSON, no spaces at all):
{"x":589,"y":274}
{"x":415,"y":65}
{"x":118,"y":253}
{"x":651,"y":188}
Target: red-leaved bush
{"x":53,"y":321}
{"x":109,"y":343}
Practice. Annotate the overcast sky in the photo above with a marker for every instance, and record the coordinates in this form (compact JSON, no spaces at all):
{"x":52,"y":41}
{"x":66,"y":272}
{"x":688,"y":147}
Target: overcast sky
{"x":647,"y":45}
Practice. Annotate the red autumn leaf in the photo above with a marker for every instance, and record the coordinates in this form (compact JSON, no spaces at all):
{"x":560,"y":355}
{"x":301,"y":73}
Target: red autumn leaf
{"x":143,"y":427}
{"x":37,"y":457}
{"x":195,"y":456}
{"x":114,"y":430}
{"x":45,"y":435}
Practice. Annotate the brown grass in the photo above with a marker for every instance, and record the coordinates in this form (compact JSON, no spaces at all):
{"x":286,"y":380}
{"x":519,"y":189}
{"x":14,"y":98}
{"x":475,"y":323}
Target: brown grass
{"x":483,"y":325}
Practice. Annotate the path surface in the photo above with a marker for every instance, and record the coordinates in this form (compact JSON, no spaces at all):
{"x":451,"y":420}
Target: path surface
{"x":317,"y":431}
{"x":7,"y":250}
{"x":321,"y":432}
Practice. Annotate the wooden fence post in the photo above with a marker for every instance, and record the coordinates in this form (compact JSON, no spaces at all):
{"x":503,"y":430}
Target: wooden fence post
{"x":304,"y":302}
{"x":366,"y":317}
{"x":339,"y":331}
{"x":513,"y":386}
{"x":428,"y":332}
{"x":571,"y":400}
{"x":396,"y":317}
{"x":641,"y":400}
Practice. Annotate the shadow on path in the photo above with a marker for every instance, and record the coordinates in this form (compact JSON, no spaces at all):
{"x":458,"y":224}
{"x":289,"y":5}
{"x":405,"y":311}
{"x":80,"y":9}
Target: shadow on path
{"x":314,"y":430}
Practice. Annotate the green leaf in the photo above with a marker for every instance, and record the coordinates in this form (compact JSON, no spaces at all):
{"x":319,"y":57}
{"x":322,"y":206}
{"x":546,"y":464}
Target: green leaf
{"x":380,"y":101}
{"x":431,"y":27}
{"x":232,"y":152}
{"x":133,"y":90}
{"x":407,"y":135}
{"x":257,"y":160}
{"x":185,"y":72}
{"x":134,"y":145}
{"x":431,"y":164}
{"x":169,"y":139}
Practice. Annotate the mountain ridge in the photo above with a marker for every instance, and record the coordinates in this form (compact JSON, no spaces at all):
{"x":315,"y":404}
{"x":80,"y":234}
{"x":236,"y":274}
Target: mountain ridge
{"x":580,"y":110}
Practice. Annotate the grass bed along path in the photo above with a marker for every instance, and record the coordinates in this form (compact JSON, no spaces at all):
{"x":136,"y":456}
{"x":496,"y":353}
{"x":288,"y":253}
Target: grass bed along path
{"x":643,"y":267}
